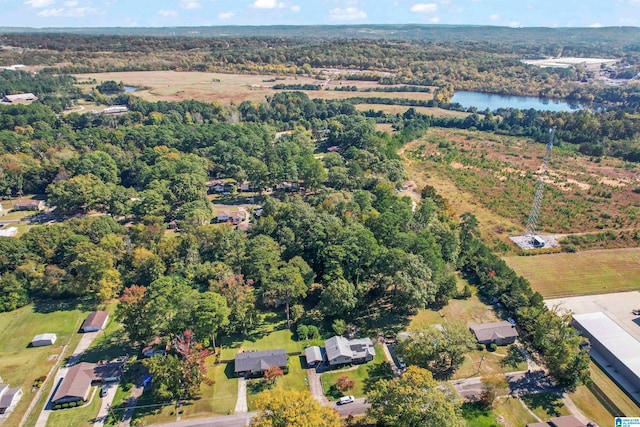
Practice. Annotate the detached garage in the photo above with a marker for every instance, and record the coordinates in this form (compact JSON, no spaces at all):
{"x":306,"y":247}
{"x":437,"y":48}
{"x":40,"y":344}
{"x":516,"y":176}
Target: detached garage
{"x":95,"y":321}
{"x":43,"y":339}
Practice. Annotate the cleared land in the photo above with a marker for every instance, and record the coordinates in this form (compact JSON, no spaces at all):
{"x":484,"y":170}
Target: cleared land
{"x":569,"y":62}
{"x":584,"y":273}
{"x":400,"y":109}
{"x":231,"y":88}
{"x":494,"y":177}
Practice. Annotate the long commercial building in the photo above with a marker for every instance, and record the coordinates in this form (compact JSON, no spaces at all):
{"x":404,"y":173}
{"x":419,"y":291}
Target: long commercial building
{"x":611,"y":341}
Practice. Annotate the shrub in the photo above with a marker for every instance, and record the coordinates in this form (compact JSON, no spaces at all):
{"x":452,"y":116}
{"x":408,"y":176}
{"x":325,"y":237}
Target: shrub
{"x":480,"y":347}
{"x":344,"y":383}
{"x":339,"y":326}
{"x":313,"y":332}
{"x":492,"y":347}
{"x":65,"y":405}
{"x":56,"y":407}
{"x":303,"y":332}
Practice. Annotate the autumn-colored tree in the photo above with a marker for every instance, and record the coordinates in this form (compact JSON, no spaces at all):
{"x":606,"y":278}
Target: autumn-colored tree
{"x":287,"y":408}
{"x":344,"y":383}
{"x":193,"y":367}
{"x":492,"y":387}
{"x":414,"y":400}
{"x":272,"y":374}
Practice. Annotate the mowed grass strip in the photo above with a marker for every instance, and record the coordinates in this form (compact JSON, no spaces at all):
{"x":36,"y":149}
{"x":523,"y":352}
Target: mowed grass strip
{"x":77,"y":417}
{"x":581,"y":273}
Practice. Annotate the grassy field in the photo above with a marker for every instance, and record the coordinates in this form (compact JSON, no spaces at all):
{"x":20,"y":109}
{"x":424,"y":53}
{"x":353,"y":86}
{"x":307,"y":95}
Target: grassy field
{"x":583,"y":273}
{"x":294,"y":380}
{"x":359,"y":374}
{"x":229,"y":88}
{"x":400,"y":109}
{"x":77,"y":417}
{"x":20,"y":365}
{"x":512,"y":413}
{"x":491,"y":364}
{"x":546,"y":405}
{"x":494,"y":177}
{"x":606,"y":386}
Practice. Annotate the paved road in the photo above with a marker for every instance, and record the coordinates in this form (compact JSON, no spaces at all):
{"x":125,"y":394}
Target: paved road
{"x":106,"y":402}
{"x":520,"y":383}
{"x":241,"y":420}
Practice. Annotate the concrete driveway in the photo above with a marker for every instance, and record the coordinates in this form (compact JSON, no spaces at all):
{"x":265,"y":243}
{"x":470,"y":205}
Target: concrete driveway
{"x":105,"y":404}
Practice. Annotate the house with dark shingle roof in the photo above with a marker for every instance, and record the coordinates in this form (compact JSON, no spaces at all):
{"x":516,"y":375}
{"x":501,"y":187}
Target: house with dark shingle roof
{"x":255,"y":363}
{"x":501,"y":333}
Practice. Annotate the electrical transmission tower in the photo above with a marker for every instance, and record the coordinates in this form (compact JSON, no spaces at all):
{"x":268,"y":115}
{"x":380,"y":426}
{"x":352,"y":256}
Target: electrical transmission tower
{"x":532,"y":222}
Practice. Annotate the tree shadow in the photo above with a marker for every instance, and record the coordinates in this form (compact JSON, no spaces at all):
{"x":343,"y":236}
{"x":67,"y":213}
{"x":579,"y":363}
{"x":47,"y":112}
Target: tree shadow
{"x":377,"y":372}
{"x":333,"y":393}
{"x":383,"y":320}
{"x":257,"y":386}
{"x":230,"y":370}
{"x":52,"y":305}
{"x":548,"y":402}
{"x":108,"y":346}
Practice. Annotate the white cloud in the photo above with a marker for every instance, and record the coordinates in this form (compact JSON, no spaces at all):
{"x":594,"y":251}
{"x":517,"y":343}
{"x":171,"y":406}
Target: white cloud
{"x":226,"y":15}
{"x":39,"y":3}
{"x":50,"y":12}
{"x":265,"y":4}
{"x":434,"y":20}
{"x":190,"y":4}
{"x":167,"y":13}
{"x":347,"y":14}
{"x":72,"y":3}
{"x":596,"y":25}
{"x":295,"y":8}
{"x":494,"y":17}
{"x":424,"y":8}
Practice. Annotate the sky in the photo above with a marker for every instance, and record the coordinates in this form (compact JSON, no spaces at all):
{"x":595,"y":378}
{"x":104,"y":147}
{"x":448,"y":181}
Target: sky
{"x":162,"y":13}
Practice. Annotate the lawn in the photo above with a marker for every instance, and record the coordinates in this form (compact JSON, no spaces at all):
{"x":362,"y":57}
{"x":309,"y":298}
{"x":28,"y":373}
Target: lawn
{"x":491,"y":364}
{"x":476,"y":416}
{"x":296,"y":379}
{"x":511,"y":413}
{"x":546,"y":405}
{"x":77,"y":417}
{"x":19,"y":365}
{"x":610,"y":395}
{"x":359,"y":374}
{"x":582,"y":273}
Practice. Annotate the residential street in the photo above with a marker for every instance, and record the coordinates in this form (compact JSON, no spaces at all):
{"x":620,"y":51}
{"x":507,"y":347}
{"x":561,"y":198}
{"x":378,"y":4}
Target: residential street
{"x":520,"y":383}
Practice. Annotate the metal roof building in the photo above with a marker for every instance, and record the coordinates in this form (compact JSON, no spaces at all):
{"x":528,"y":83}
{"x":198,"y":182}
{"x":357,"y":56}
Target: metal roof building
{"x":43,"y":339}
{"x":614,"y":343}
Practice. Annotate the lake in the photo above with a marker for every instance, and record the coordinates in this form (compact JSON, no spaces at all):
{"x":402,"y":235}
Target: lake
{"x":482,"y":101}
{"x":128,"y":89}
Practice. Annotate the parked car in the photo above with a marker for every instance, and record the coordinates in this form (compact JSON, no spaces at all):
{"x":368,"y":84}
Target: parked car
{"x":346,"y":399}
{"x":401,"y":363}
{"x":104,"y":390}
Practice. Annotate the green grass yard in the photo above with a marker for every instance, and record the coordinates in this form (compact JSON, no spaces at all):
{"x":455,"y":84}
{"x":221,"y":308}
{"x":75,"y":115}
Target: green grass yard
{"x":582,"y":273}
{"x":358,"y":373}
{"x":512,"y":413}
{"x":546,"y":405}
{"x":491,"y":364}
{"x":19,"y":365}
{"x":77,"y":417}
{"x":296,"y":379}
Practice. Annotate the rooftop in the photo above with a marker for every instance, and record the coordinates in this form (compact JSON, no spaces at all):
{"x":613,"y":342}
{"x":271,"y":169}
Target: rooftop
{"x":337,"y":346}
{"x":492,"y":331}
{"x":258,"y":361}
{"x":97,"y":318}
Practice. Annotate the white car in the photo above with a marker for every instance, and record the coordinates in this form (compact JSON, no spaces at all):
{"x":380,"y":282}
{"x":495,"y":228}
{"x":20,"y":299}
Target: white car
{"x":346,"y":399}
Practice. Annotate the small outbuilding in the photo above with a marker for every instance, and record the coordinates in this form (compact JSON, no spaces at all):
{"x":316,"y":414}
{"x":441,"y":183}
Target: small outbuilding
{"x":19,"y":98}
{"x":314,"y":356}
{"x":501,"y":333}
{"x":95,"y":321}
{"x":29,"y":205}
{"x":43,"y":340}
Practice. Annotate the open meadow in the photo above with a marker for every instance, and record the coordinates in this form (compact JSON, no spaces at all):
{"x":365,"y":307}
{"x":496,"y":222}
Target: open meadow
{"x":230,"y":89}
{"x":583,"y":273}
{"x":494,"y":177}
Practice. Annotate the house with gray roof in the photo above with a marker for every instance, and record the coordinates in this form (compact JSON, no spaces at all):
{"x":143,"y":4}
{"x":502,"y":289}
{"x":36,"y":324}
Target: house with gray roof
{"x":341,"y":351}
{"x":255,"y":363}
{"x":43,"y":339}
{"x":313,"y":355}
{"x":76,"y":384}
{"x":9,"y":398}
{"x":501,"y":333}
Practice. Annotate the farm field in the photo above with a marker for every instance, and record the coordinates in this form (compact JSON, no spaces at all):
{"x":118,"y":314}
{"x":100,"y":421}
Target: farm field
{"x":230,"y":88}
{"x":584,"y":273}
{"x":494,"y":177}
{"x":20,"y":365}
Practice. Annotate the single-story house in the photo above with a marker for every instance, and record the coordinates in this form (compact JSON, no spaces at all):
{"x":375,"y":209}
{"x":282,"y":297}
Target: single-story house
{"x":95,"y":321}
{"x":76,"y":385}
{"x":255,"y":363}
{"x":341,"y":351}
{"x":314,"y":356}
{"x":216,"y":186}
{"x":9,"y":398}
{"x":223,"y":216}
{"x":8,"y":232}
{"x":20,"y":97}
{"x":43,"y":339}
{"x":237,"y":217}
{"x":501,"y":333}
{"x":29,"y":205}
{"x":116,"y":109}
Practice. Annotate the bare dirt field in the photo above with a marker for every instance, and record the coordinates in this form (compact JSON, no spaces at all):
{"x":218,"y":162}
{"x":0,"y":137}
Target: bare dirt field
{"x":583,"y":273}
{"x":569,"y":62}
{"x":232,"y":88}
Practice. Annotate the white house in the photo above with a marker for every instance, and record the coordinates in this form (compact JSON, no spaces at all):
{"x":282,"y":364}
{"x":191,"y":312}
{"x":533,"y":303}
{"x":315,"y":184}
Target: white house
{"x":341,"y":351}
{"x":43,"y":339}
